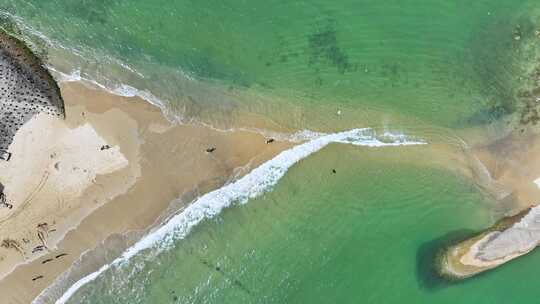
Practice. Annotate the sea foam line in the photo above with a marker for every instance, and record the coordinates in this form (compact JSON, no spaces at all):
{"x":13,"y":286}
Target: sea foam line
{"x":123,"y":90}
{"x":255,"y":183}
{"x":22,"y":24}
{"x":126,"y":90}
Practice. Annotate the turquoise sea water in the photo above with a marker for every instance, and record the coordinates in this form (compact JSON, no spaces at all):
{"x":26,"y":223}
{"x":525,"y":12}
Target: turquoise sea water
{"x":362,"y":235}
{"x":350,"y":237}
{"x":441,"y":62}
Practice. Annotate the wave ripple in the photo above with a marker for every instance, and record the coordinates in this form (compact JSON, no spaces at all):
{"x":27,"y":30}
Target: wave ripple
{"x":252,"y":185}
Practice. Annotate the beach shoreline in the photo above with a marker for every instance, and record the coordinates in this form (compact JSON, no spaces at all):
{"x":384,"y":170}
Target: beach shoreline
{"x":135,"y":128}
{"x":155,"y":163}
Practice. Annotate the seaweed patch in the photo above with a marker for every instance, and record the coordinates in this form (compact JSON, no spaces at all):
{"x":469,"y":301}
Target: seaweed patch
{"x":324,"y":48}
{"x":93,"y":11}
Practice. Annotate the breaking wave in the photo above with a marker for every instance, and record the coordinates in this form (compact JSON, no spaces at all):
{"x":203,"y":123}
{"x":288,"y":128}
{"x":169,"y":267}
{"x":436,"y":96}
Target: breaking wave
{"x":252,"y":185}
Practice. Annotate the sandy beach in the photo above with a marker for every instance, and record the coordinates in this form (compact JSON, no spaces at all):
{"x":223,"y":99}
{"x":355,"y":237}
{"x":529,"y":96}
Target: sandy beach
{"x":114,"y":165}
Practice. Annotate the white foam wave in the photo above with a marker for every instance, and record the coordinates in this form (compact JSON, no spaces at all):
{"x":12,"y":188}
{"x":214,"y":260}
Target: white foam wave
{"x":255,"y":183}
{"x":130,"y":91}
{"x":123,"y":90}
{"x":120,"y":90}
{"x":126,"y":90}
{"x":27,"y":29}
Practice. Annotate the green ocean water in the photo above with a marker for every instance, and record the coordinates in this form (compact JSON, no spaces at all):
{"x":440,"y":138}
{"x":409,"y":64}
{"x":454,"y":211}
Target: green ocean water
{"x":351,"y":237}
{"x":439,"y":62}
{"x":363,"y":235}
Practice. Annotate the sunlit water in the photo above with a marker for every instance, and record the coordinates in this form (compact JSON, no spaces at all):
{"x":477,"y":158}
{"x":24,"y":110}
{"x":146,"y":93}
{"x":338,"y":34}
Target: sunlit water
{"x":365,"y":234}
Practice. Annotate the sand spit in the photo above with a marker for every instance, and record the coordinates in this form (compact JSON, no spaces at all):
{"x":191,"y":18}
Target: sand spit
{"x":512,"y":167}
{"x":112,"y":166}
{"x":509,"y":238}
{"x":507,"y":169}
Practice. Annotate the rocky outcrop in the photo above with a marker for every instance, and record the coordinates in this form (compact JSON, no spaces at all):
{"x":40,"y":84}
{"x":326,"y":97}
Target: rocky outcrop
{"x":26,"y":89}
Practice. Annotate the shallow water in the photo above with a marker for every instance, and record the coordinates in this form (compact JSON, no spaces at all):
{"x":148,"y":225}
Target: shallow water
{"x":428,"y":68}
{"x":354,"y":236}
{"x":298,"y":62}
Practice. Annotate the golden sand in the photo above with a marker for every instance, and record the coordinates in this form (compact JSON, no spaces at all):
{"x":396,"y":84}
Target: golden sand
{"x":116,"y":164}
{"x":113,"y":166}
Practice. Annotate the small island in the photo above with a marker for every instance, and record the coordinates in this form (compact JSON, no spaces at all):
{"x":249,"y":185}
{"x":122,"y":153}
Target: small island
{"x":509,"y":238}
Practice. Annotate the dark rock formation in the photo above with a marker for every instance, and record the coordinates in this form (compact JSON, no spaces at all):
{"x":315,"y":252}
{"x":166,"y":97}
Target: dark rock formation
{"x":26,"y":89}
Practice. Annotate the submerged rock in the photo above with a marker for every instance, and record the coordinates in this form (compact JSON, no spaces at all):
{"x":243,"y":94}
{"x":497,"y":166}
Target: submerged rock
{"x":26,"y":89}
{"x":508,"y":239}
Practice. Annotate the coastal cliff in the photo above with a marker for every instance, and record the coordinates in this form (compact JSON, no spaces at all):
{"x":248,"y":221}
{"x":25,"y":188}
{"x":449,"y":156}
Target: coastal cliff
{"x":26,"y":89}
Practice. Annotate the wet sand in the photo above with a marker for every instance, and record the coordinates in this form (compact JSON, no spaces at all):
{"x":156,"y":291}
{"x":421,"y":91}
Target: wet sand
{"x":508,"y":170}
{"x":128,"y":167}
{"x":133,"y":163}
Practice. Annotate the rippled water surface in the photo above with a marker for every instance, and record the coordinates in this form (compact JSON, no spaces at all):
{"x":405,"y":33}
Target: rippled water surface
{"x":365,"y":234}
{"x":358,"y":235}
{"x":441,"y":62}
